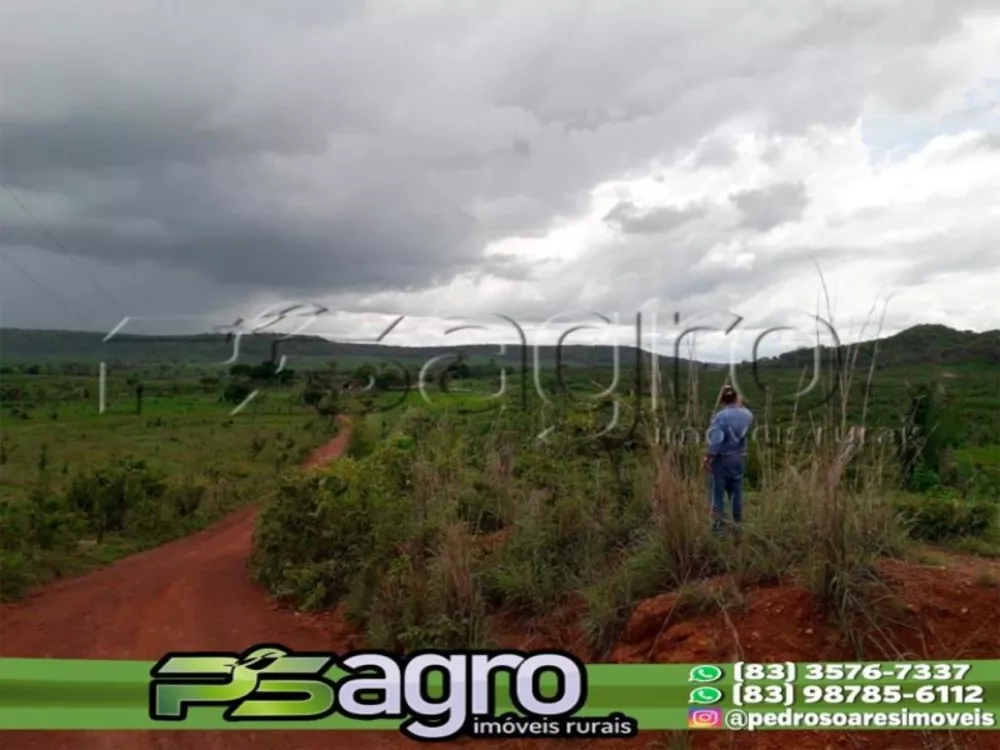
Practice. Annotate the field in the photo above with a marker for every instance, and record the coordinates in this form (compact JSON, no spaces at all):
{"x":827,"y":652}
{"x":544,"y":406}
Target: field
{"x":467,"y":520}
{"x":570,"y":516}
{"x":181,"y":464}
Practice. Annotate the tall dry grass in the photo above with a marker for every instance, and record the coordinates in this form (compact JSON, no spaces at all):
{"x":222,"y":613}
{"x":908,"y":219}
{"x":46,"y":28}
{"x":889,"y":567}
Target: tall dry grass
{"x":518,"y":512}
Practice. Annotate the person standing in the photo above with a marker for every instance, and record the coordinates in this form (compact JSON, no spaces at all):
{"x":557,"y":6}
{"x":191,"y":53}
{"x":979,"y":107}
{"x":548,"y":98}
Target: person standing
{"x":726,"y":456}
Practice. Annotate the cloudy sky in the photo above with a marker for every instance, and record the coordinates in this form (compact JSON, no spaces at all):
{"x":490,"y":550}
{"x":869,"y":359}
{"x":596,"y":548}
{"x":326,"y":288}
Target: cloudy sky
{"x":191,"y":162}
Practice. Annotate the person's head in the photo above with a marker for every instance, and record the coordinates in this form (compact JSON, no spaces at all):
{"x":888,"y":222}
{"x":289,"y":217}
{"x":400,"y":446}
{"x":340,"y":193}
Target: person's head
{"x":729,"y":396}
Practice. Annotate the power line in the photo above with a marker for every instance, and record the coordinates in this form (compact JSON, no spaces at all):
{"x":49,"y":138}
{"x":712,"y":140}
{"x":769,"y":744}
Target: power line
{"x":55,"y":241}
{"x":69,"y":308}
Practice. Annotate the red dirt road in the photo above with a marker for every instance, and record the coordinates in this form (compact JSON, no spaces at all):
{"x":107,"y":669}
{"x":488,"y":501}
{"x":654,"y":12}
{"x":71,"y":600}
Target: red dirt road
{"x":192,"y":594}
{"x":196,"y":594}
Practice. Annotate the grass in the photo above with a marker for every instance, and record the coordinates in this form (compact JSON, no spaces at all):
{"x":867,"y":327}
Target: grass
{"x":447,"y":517}
{"x":488,"y":521}
{"x":419,"y":567}
{"x":193,"y":461}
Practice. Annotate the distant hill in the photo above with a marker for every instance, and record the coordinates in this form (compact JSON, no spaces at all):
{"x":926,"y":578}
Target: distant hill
{"x":927,"y":344}
{"x":920,"y":345}
{"x":24,"y":346}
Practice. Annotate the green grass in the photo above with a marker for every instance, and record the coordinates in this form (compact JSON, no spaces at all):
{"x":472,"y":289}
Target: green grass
{"x":216,"y":461}
{"x":611,"y":518}
{"x":405,"y":529}
{"x":182,"y":434}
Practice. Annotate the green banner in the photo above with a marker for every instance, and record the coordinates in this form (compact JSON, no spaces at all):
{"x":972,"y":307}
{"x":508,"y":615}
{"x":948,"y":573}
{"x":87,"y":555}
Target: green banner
{"x":269,"y":687}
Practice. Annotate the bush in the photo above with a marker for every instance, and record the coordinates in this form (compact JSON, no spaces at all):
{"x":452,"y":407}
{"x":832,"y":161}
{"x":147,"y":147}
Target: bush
{"x":312,"y":395}
{"x":105,"y":496}
{"x":923,"y":479}
{"x":40,"y":526}
{"x":326,"y":533}
{"x":933,"y":519}
{"x":236,"y":393}
{"x":441,"y":522}
{"x":364,"y":439}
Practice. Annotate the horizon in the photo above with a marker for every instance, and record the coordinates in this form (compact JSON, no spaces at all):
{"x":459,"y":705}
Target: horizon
{"x":597,"y":159}
{"x":621,"y":344}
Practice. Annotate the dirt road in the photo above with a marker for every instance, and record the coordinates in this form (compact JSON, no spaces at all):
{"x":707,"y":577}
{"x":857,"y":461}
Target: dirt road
{"x":192,"y":594}
{"x":196,"y":594}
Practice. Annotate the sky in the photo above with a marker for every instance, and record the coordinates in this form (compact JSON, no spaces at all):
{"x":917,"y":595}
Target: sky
{"x":718,"y":164}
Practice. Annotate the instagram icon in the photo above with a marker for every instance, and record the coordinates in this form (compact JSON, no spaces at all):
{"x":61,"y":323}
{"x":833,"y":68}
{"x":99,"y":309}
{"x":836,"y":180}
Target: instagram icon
{"x":704,"y":718}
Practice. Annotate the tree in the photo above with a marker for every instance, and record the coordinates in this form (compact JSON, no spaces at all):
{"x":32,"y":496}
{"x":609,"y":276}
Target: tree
{"x":241,"y":371}
{"x":459,"y":368}
{"x":236,"y":393}
{"x":363,"y":374}
{"x":209,"y":383}
{"x":264,"y":372}
{"x":321,"y":391}
{"x":927,"y":436}
{"x":328,"y":407}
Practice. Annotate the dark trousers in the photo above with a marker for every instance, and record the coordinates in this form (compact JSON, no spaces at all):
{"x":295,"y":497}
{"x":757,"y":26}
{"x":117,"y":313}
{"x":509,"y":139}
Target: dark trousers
{"x":727,"y":479}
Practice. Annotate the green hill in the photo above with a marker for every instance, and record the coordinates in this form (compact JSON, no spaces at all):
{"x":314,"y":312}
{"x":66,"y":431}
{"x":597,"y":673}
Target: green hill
{"x":920,"y":345}
{"x":917,"y":346}
{"x":20,"y":346}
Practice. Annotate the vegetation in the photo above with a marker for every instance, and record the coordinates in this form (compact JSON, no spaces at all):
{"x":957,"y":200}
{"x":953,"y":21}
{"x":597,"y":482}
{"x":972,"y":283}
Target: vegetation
{"x":79,"y":488}
{"x":460,"y":516}
{"x":456,"y":509}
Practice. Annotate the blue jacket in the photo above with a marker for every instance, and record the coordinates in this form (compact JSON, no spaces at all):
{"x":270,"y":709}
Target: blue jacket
{"x":730,"y":431}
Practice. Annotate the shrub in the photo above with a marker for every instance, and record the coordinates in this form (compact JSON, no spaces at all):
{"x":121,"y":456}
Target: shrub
{"x":40,"y":526}
{"x":236,"y":393}
{"x":326,"y":533}
{"x":935,"y":519}
{"x":364,"y":439}
{"x":106,"y":495}
{"x":435,"y":524}
{"x":923,"y":479}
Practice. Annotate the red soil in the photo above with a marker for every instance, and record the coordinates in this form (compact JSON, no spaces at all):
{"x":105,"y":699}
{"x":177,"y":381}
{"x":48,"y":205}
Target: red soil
{"x":196,"y":594}
{"x":944,"y":612}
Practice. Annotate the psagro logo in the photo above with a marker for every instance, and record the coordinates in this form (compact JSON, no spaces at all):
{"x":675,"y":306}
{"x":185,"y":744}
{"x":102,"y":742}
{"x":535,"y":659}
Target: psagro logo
{"x":270,"y":683}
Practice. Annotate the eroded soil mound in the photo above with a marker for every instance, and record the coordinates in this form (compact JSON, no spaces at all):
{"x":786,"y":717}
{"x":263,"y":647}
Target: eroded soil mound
{"x":933,"y":612}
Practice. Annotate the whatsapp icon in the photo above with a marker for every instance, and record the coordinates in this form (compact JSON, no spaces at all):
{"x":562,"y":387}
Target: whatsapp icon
{"x":705,"y":673}
{"x":705,"y":696}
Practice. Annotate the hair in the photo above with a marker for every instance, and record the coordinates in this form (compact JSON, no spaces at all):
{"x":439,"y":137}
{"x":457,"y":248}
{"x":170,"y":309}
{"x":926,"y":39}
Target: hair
{"x":728,"y":395}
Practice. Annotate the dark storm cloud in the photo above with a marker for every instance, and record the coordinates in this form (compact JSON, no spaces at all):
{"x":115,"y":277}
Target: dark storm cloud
{"x":765,"y":208}
{"x":343,"y":147}
{"x":98,"y":141}
{"x":360,"y":246}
